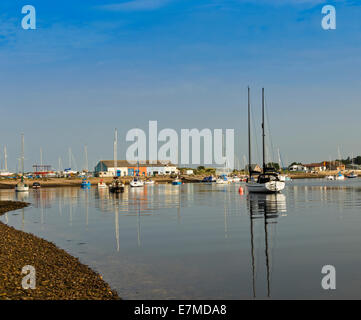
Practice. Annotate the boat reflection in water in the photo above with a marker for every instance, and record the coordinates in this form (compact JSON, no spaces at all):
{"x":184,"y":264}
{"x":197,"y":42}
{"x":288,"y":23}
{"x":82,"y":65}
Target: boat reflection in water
{"x":265,"y":209}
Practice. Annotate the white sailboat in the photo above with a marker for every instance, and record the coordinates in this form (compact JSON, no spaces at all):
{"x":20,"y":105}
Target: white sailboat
{"x":136,"y":182}
{"x":22,"y":186}
{"x":116,"y":186}
{"x":268,"y":181}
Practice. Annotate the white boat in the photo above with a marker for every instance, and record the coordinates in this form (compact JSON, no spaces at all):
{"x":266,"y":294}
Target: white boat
{"x":331,"y":178}
{"x":268,"y":181}
{"x":340,"y":176}
{"x":149,"y":182}
{"x":21,"y":187}
{"x":136,"y":183}
{"x":284,"y":177}
{"x":102,"y":185}
{"x":236,"y":179}
{"x":223,"y":179}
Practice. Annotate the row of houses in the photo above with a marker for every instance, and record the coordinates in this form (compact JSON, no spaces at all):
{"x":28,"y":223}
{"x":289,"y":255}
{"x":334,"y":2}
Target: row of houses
{"x":106,"y":168}
{"x":318,"y":167}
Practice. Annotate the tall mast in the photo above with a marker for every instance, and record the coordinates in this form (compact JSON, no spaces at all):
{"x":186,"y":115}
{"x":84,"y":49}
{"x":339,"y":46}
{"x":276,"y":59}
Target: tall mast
{"x":41,"y":156}
{"x":263,"y":135}
{"x":115,"y":151}
{"x":86,"y":158}
{"x":5,"y":159}
{"x":249,"y":134}
{"x":22,"y":153}
{"x":70,"y":158}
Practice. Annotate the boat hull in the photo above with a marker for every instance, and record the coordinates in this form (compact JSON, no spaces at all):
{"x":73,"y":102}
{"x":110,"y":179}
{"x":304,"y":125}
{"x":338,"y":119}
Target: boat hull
{"x":268,"y":187}
{"x":116,"y":189}
{"x":136,"y":184}
{"x":21,"y":189}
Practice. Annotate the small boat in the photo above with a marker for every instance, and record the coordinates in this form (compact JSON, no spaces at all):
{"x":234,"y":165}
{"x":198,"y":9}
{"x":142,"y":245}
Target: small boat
{"x":222,"y":179}
{"x":102,"y":185}
{"x":209,"y":179}
{"x":116,"y":186}
{"x":136,"y":183}
{"x":36,"y":185}
{"x":352,"y":175}
{"x":85,"y":184}
{"x":177,"y":182}
{"x":236,"y":179}
{"x":149,"y":181}
{"x":21,"y":186}
{"x":284,"y":177}
{"x":331,"y":178}
{"x":340,"y":176}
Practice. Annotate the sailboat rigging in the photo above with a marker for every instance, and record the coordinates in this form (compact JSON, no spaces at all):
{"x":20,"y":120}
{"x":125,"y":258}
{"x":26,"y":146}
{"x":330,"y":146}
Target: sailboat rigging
{"x":268,"y":181}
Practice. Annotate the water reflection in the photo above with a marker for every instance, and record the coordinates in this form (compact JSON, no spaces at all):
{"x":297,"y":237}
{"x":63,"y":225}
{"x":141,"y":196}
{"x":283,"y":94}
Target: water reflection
{"x":196,"y":241}
{"x":265,"y":208}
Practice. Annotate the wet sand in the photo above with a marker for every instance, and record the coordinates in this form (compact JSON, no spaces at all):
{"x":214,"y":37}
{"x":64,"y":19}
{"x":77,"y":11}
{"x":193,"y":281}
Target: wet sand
{"x":59,"y":276}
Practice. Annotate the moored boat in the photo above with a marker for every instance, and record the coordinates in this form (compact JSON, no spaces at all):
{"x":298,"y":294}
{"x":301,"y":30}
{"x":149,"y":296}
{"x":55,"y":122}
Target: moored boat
{"x":116,"y":186}
{"x":102,"y":185}
{"x":222,"y":179}
{"x":352,"y":175}
{"x":176,"y":182}
{"x":136,"y":182}
{"x":149,"y":182}
{"x":268,"y":181}
{"x":340,"y":176}
{"x":21,"y":186}
{"x":36,"y":185}
{"x":85,"y":184}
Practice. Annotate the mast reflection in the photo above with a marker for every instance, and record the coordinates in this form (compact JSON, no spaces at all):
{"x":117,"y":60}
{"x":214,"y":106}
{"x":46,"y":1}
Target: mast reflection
{"x":267,"y":207}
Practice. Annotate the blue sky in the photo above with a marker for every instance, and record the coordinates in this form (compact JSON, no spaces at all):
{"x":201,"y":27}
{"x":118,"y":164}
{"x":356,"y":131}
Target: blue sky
{"x":91,"y":66}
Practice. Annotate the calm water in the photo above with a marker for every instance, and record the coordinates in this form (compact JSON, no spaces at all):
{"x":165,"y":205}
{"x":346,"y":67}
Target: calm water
{"x":199,"y":241}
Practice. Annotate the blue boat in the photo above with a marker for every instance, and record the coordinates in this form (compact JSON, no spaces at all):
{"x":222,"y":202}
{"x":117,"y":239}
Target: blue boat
{"x":209,"y":179}
{"x":85,"y":184}
{"x":176,"y":182}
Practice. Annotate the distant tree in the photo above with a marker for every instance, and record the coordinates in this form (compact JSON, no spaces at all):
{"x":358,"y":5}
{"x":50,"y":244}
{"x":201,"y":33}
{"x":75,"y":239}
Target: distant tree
{"x":273,"y":165}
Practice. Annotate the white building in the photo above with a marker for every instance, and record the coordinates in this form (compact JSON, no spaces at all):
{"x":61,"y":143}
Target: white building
{"x":298,"y":168}
{"x":106,"y":168}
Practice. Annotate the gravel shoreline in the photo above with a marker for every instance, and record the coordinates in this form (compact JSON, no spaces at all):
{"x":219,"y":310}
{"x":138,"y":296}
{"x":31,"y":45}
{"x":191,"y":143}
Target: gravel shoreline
{"x":59,"y":276}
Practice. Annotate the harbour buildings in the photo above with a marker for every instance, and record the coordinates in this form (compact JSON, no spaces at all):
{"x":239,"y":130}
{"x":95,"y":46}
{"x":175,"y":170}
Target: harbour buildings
{"x":106,"y":168}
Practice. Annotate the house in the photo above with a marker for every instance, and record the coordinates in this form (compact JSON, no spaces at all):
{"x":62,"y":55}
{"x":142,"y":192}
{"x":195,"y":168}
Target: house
{"x":297,"y":168}
{"x":106,"y":168}
{"x":254,"y":168}
{"x":334,"y":165}
{"x":318,"y":167}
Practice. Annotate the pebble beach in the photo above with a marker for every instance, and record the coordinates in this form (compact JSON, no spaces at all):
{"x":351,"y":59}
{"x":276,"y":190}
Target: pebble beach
{"x":59,"y":276}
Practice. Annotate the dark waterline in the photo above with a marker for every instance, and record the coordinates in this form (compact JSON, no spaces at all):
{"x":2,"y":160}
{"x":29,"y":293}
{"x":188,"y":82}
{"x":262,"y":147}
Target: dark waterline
{"x":199,"y":241}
